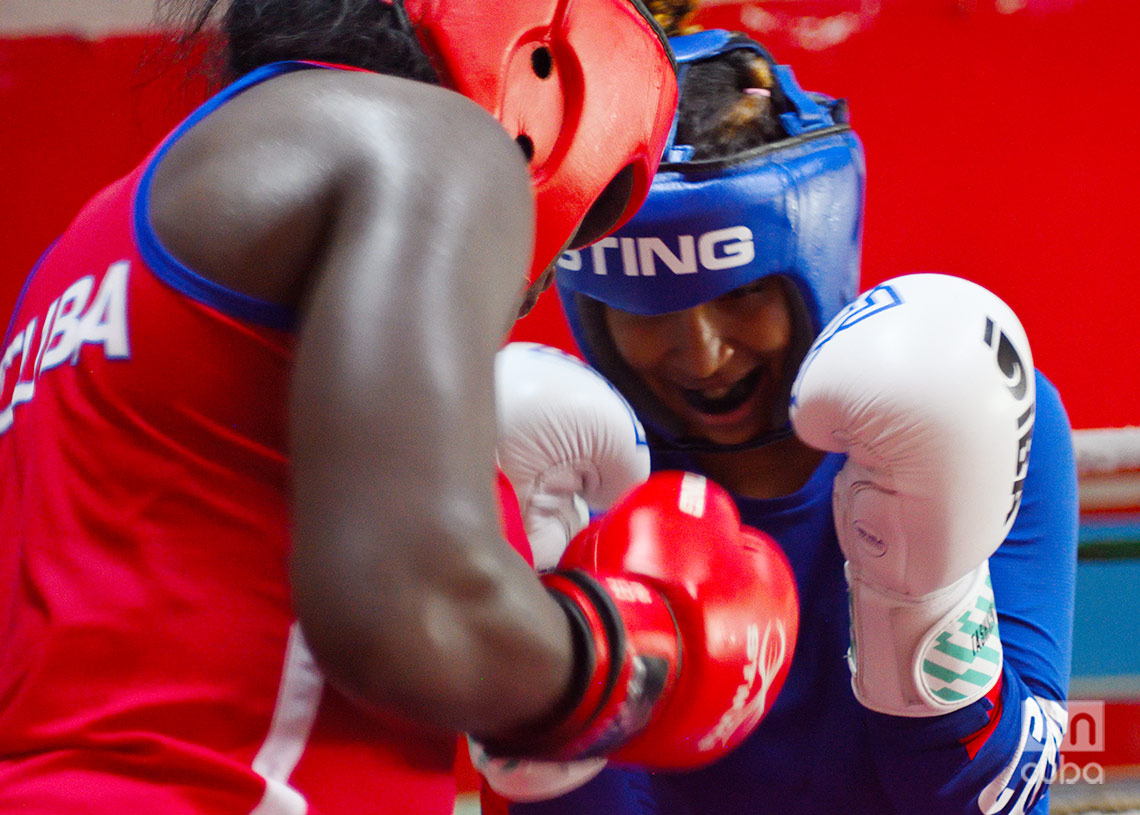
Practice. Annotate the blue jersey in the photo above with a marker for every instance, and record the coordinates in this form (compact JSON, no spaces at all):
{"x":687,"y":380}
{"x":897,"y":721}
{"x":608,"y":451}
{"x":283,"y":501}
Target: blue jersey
{"x":820,"y":752}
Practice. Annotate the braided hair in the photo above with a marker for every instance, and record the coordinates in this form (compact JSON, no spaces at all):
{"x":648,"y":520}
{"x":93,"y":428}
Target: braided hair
{"x":729,"y":104}
{"x":361,"y":33}
{"x":674,"y":16}
{"x":726,"y":103}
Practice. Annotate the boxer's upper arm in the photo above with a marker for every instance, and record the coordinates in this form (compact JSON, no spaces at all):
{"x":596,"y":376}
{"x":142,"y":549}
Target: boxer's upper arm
{"x":399,"y":561}
{"x":396,"y":219}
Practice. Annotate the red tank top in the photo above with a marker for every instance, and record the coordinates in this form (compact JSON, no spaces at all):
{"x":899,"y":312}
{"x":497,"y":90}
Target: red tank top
{"x":149,"y":657}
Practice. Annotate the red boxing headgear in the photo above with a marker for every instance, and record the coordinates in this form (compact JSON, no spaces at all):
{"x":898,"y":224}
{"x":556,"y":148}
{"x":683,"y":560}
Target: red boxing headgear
{"x":587,"y":88}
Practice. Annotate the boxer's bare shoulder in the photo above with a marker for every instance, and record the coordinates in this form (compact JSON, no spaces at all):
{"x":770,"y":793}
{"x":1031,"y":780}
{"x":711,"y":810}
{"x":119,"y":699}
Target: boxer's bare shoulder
{"x":285,"y":158}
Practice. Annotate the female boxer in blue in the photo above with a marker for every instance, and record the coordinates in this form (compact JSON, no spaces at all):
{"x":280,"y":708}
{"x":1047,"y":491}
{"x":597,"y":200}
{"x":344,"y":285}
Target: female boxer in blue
{"x":923,"y":487}
{"x":254,"y":555}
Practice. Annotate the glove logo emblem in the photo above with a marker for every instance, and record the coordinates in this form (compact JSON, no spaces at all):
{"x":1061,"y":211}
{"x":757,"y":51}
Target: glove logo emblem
{"x":765,"y":659}
{"x":963,"y":661}
{"x":874,"y":544}
{"x":876,"y":300}
{"x":628,"y":592}
{"x":691,"y":499}
{"x":1016,"y":375}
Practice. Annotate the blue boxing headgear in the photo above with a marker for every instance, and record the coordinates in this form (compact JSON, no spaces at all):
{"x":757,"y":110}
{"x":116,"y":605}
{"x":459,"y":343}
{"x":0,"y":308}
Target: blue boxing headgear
{"x":791,"y":208}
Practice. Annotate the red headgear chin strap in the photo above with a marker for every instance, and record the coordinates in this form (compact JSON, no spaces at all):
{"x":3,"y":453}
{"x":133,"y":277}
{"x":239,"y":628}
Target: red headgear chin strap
{"x":587,"y":88}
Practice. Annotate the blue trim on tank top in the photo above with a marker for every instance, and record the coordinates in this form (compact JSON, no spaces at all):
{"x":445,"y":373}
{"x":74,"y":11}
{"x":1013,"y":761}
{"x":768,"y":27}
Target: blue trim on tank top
{"x":172,"y":271}
{"x":9,"y":331}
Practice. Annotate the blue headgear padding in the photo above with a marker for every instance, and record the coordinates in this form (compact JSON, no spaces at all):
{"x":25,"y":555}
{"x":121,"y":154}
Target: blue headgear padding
{"x":792,"y":207}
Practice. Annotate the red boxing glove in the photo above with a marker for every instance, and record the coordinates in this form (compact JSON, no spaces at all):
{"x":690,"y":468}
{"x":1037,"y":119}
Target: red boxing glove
{"x":510,"y":518}
{"x":686,"y":622}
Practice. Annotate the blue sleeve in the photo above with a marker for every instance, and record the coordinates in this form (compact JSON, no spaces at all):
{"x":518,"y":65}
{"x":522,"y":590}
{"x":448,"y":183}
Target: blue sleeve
{"x":999,"y":754}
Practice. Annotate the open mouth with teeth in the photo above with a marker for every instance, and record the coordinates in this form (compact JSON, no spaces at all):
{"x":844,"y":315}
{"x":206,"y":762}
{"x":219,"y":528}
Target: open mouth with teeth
{"x":725,"y":402}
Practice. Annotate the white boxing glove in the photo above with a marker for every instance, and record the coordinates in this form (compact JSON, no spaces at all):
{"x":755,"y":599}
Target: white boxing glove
{"x":568,"y":442}
{"x":527,"y":780}
{"x":926,"y":383}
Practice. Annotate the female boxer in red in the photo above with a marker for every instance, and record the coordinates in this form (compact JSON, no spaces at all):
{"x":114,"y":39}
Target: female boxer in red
{"x":251,"y":555}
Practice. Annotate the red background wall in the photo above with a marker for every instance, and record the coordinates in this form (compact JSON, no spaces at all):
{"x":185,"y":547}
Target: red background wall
{"x":1000,"y":147}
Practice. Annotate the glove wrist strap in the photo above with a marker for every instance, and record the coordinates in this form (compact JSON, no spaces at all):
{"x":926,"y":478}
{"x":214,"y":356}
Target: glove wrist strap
{"x":923,"y":656}
{"x":626,"y":657}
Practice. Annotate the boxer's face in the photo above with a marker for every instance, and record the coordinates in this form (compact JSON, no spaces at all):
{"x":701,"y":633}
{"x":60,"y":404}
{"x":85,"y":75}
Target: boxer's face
{"x":718,"y":367}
